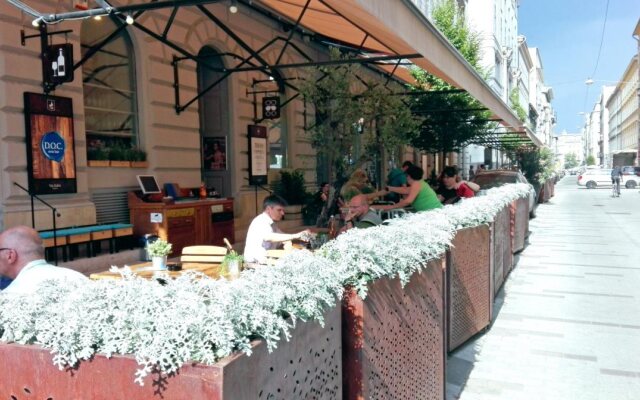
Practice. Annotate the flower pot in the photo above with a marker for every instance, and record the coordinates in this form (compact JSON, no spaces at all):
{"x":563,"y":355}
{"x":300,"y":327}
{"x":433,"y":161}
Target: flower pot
{"x":98,"y":163}
{"x":139,"y":164}
{"x":120,"y":164}
{"x":159,"y":262}
{"x":233,"y":267}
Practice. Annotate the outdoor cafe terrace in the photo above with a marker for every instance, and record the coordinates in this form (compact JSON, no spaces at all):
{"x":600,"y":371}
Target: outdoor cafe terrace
{"x":373,"y":311}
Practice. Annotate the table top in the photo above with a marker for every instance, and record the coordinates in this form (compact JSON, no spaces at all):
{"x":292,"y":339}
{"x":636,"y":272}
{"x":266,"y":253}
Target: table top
{"x":146,"y":270}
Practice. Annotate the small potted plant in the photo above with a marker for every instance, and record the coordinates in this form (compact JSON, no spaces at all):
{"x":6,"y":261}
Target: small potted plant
{"x":158,"y":251}
{"x":232,"y":263}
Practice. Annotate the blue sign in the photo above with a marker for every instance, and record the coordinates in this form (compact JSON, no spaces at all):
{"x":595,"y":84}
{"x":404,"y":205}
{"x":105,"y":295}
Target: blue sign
{"x":52,"y":146}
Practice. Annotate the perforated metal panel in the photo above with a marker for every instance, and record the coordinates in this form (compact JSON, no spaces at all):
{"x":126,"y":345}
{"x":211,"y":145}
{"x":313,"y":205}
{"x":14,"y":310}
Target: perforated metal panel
{"x":394,"y":345}
{"x":308,"y":366}
{"x":469,"y":284}
{"x":520,"y":223}
{"x":502,"y":256}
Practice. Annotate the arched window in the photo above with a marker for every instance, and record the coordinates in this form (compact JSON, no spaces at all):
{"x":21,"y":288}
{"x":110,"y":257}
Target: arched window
{"x":108,"y":78}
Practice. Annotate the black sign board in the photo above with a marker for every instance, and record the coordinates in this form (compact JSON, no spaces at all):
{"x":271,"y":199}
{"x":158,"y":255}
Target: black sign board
{"x":57,"y":64}
{"x":271,"y":107}
{"x":258,"y":167}
{"x":50,"y":144}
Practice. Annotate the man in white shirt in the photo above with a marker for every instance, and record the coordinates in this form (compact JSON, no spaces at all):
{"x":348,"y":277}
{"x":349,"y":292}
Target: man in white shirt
{"x":22,"y":259}
{"x":263,"y":233}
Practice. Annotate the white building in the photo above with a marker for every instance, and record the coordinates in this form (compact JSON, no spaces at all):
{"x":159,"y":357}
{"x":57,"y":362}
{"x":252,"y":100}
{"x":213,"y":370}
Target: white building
{"x":624,"y":117}
{"x":568,"y":143}
{"x":521,"y":77}
{"x":540,"y":96}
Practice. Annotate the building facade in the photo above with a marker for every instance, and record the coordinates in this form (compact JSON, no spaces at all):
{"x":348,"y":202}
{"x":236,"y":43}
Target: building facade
{"x":569,"y":143}
{"x":540,"y":97}
{"x":624,"y":117}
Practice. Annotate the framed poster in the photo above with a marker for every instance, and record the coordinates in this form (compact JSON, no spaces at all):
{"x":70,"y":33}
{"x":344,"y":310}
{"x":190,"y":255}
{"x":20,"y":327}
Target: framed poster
{"x":258,"y":167}
{"x":214,"y":153}
{"x":50,"y":144}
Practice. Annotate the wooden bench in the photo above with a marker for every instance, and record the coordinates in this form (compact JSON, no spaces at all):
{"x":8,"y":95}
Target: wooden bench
{"x":89,"y":235}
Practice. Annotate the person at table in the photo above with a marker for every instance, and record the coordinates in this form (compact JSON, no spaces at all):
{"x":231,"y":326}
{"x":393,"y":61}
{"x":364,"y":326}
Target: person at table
{"x":452,"y":188}
{"x":397,"y":177}
{"x":418,"y":194}
{"x":22,"y":260}
{"x":360,"y":214}
{"x":263,"y":232}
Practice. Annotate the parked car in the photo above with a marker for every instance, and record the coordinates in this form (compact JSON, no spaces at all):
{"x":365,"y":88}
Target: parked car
{"x":495,"y":178}
{"x":631,"y":170}
{"x":592,"y":178}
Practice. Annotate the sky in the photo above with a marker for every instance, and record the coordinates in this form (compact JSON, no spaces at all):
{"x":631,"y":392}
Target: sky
{"x":568,"y":34}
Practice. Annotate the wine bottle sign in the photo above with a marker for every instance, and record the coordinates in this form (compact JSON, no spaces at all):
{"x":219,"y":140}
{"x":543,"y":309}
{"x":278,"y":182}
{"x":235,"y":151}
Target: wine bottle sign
{"x":58,"y":64}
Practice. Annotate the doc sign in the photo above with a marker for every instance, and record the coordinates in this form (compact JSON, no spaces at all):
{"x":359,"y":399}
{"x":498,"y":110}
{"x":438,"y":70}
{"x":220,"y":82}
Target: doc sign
{"x":52,"y":146}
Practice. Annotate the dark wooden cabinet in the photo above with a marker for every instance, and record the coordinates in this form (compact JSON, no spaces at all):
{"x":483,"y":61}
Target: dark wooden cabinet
{"x":184,"y":223}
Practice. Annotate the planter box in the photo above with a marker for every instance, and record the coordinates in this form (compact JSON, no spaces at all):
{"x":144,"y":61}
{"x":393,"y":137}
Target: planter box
{"x":98,"y":163}
{"x":519,"y":223}
{"x":307,"y":366}
{"x":393,"y":341}
{"x":502,"y":254}
{"x":120,"y":164}
{"x":469,"y":284}
{"x":139,"y":164}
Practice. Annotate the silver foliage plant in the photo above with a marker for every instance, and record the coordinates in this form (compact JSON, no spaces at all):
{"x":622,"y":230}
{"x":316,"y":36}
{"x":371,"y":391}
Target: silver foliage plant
{"x":195,"y":318}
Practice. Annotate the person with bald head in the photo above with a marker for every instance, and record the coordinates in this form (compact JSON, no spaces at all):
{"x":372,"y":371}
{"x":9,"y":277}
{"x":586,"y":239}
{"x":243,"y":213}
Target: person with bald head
{"x":22,"y":259}
{"x":360,"y":215}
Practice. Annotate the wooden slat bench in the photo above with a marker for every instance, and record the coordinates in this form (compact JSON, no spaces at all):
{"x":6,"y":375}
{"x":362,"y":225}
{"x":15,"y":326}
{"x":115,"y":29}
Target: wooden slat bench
{"x":91,"y":235}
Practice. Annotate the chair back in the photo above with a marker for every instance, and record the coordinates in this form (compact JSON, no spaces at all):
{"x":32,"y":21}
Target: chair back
{"x":202,"y":255}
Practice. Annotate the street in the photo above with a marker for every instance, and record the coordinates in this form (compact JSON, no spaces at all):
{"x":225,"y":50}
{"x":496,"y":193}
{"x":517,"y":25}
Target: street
{"x":567,"y":322}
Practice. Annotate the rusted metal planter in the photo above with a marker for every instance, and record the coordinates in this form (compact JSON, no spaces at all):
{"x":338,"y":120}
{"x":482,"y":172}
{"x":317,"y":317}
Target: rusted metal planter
{"x":469,"y":284}
{"x":502,"y":254}
{"x":308,"y":366}
{"x":519,"y":223}
{"x":394,"y":340}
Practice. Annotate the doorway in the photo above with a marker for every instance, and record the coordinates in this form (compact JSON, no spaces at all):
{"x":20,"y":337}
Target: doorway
{"x":216,"y":154}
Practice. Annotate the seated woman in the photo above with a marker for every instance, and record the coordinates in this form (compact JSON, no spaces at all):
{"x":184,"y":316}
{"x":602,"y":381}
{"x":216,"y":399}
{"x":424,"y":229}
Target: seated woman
{"x":419,"y":194}
{"x":452,"y":188}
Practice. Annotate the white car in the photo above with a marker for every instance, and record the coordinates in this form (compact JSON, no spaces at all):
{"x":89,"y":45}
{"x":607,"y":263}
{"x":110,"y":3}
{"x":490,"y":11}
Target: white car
{"x":592,"y":178}
{"x":495,"y":178}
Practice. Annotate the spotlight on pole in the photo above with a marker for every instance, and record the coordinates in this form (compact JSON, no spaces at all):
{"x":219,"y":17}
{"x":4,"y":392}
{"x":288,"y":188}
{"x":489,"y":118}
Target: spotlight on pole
{"x":36,"y":22}
{"x":588,"y":82}
{"x":129,"y":20}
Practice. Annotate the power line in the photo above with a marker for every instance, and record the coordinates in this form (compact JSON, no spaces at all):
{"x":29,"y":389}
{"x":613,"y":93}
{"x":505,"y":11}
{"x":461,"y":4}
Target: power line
{"x":604,"y":25}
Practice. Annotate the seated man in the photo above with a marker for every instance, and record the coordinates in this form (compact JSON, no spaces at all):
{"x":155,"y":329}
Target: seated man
{"x":22,"y":259}
{"x":263,"y":233}
{"x":452,"y":188}
{"x":360,"y":215}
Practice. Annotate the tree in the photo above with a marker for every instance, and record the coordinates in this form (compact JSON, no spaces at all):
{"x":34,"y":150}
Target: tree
{"x":451,"y":120}
{"x":570,"y":161}
{"x":591,"y":160}
{"x":350,"y":110}
{"x":536,"y":165}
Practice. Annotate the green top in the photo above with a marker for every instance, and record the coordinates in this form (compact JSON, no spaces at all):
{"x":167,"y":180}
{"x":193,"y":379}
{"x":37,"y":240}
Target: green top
{"x":426,"y":198}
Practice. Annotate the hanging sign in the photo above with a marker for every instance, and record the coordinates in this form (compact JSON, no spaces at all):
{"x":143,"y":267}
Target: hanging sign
{"x":50,"y":145}
{"x":258,"y":167}
{"x":57,"y":65}
{"x":271,"y":107}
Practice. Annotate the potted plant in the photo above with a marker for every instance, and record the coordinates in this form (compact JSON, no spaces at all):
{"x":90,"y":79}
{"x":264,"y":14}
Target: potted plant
{"x":158,"y":251}
{"x":97,"y":157}
{"x":232,"y":263}
{"x":137,"y":157}
{"x":117,"y":156}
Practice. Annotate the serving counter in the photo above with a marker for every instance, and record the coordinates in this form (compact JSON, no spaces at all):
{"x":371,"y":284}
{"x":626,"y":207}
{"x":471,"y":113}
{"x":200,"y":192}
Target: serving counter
{"x":183,"y":223}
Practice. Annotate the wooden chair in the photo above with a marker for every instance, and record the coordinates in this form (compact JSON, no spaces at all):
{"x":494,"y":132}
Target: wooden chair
{"x":199,"y":257}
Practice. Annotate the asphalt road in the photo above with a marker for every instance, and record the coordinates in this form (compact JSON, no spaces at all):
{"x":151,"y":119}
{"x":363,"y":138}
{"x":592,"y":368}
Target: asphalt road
{"x":568,"y":318}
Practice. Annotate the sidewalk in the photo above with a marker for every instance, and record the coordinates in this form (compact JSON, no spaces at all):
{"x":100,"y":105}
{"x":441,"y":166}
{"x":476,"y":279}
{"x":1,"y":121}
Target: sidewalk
{"x":567,"y":323}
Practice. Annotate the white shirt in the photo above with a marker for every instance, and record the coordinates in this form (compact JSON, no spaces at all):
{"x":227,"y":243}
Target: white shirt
{"x":38,"y":271}
{"x":255,"y":247}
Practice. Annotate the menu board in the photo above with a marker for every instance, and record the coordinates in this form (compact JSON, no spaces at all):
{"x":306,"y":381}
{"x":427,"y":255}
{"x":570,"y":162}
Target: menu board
{"x":258,"y":167}
{"x":50,"y":144}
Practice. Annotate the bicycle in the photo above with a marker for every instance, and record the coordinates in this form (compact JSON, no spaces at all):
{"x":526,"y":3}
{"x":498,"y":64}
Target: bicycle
{"x":615,"y":187}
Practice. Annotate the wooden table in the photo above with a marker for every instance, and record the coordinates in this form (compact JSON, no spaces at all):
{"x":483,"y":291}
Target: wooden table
{"x":146,"y":270}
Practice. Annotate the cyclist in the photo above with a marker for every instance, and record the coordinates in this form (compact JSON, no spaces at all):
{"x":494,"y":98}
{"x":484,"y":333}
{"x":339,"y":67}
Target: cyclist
{"x":616,"y":178}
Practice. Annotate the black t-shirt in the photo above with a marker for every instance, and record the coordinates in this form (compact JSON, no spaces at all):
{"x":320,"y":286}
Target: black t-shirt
{"x":449,"y":195}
